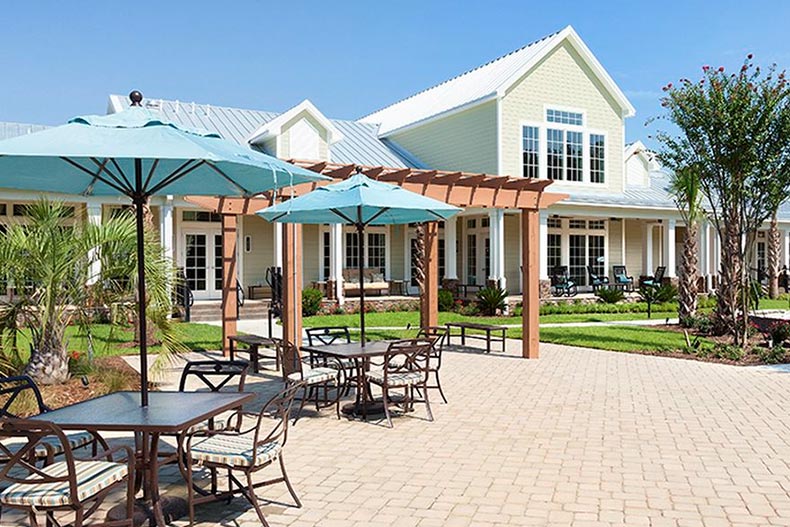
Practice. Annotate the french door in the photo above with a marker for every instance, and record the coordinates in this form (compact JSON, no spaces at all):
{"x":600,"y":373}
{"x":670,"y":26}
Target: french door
{"x":203,"y":263}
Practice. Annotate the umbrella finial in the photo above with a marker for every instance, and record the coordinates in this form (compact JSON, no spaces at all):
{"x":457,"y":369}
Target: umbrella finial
{"x":136,"y":97}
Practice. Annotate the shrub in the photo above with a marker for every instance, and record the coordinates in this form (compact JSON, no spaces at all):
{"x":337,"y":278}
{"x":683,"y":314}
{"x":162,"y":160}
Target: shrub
{"x":446,"y":300}
{"x":311,"y":301}
{"x":491,"y":300}
{"x":779,"y":333}
{"x":610,"y":295}
{"x":701,"y":323}
{"x":471,"y":309}
{"x":772,"y":355}
{"x":726,"y":351}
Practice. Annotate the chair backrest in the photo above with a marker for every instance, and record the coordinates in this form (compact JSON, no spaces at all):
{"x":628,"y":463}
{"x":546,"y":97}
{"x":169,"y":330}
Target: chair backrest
{"x":660,"y":270}
{"x":328,"y":335}
{"x":409,"y":355}
{"x":438,"y":336}
{"x":290,"y":359}
{"x":17,"y":388}
{"x":21,"y":469}
{"x":593,"y":274}
{"x":620,"y":274}
{"x":216,"y":375}
{"x":559,"y":275}
{"x":277,"y":408}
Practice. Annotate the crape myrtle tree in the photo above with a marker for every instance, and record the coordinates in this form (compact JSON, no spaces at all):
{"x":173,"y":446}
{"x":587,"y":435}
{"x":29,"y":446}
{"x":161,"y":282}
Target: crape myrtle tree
{"x":684,"y":186}
{"x":734,"y":129}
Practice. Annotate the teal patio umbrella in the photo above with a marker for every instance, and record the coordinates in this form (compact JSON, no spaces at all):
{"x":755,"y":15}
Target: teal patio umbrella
{"x":360,"y":201}
{"x":139,"y":154}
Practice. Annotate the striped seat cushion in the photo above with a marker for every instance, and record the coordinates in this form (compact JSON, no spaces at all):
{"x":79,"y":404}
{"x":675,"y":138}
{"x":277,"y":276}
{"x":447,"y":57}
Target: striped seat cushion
{"x":76,"y":440}
{"x":92,"y":477}
{"x":219,"y":424}
{"x":314,"y":375}
{"x":233,"y":450}
{"x":405,"y":378}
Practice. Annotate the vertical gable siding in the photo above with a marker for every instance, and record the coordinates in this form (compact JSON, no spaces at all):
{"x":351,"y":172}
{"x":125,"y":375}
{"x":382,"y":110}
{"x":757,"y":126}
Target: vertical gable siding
{"x":286,"y":139}
{"x":564,"y":80}
{"x":464,"y":141}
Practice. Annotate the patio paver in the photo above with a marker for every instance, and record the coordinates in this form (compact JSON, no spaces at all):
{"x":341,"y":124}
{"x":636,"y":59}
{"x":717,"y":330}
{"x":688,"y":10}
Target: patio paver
{"x":579,"y":437}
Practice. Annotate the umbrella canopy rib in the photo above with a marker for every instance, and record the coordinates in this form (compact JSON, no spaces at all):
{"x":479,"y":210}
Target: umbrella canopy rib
{"x":230,"y":180}
{"x":115,"y":183}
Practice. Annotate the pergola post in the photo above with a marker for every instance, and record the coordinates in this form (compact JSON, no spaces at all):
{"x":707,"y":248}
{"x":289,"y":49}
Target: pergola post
{"x":292,"y":283}
{"x":429,"y":301}
{"x":530,"y":257}
{"x":230,"y":308}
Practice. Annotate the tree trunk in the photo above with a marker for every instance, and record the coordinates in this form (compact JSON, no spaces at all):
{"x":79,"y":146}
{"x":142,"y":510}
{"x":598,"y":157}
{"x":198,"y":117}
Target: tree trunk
{"x":774,"y":250}
{"x":687,"y":293}
{"x":49,"y":363}
{"x":419,"y":258}
{"x":728,"y":292}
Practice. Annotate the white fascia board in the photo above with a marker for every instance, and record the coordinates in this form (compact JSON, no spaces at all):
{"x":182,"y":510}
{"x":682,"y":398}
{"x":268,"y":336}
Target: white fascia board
{"x":114,"y":104}
{"x":571,"y":36}
{"x":447,"y":113}
{"x":275,"y":126}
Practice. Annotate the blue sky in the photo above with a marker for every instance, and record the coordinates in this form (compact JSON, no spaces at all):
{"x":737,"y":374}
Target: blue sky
{"x":60,"y":59}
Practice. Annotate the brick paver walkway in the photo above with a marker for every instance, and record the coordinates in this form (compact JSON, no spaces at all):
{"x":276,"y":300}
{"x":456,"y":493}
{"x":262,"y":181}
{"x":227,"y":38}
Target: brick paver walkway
{"x":579,"y":437}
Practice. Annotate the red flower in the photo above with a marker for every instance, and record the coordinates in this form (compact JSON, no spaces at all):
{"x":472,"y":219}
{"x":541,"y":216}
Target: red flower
{"x":74,"y":354}
{"x":705,"y":68}
{"x":721,"y":69}
{"x":749,"y":56}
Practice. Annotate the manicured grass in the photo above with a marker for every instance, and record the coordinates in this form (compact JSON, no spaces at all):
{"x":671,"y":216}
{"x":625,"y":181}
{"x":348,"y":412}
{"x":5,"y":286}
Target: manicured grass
{"x":402,"y":319}
{"x":109,"y":340}
{"x":614,"y":338}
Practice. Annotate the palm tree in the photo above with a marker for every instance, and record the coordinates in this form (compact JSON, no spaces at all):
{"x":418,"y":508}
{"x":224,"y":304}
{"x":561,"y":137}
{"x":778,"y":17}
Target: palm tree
{"x":774,"y":252}
{"x":48,"y":261}
{"x":685,"y":189}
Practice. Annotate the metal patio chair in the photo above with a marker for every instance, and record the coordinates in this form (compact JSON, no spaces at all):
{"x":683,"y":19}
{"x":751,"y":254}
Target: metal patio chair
{"x":72,"y":485}
{"x":597,"y":281}
{"x":14,"y":391}
{"x":655,"y":280}
{"x":439,"y":336}
{"x":313,"y":379}
{"x":561,"y":282}
{"x":406,"y":366}
{"x":326,"y":336}
{"x":244,"y":450}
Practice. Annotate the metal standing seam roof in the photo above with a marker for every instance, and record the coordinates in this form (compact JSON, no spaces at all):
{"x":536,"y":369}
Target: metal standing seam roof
{"x":9,"y":130}
{"x":359,"y":145}
{"x":474,"y":85}
{"x":654,"y":196}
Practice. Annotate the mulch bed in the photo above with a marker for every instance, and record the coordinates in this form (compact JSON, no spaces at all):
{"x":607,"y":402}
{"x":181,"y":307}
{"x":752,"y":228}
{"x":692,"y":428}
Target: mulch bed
{"x":74,"y":391}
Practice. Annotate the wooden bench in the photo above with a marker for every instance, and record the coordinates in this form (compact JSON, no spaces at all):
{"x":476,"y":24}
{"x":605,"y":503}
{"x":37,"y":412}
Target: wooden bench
{"x":252,"y":344}
{"x":489,"y":336}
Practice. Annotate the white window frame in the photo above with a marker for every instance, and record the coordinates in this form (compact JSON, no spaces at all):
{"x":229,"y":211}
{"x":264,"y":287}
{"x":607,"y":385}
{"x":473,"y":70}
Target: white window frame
{"x":565,"y":246}
{"x":378,"y":229}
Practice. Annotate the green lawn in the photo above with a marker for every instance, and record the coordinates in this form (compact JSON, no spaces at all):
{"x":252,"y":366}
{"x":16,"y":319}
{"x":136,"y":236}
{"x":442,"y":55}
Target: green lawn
{"x":403,"y":319}
{"x":614,"y":338}
{"x":109,"y":340}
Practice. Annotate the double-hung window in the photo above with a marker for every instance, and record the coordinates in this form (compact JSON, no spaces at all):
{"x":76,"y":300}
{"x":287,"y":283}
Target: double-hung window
{"x":531,"y":151}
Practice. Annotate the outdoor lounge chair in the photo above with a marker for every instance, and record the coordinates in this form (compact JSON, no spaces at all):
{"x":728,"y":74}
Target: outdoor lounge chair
{"x":621,"y":278}
{"x":78,"y":485}
{"x":597,"y":281}
{"x":244,"y":450}
{"x":406,"y":366}
{"x":312,"y":379}
{"x":561,"y":282}
{"x":14,"y":390}
{"x":438,"y":335}
{"x":655,"y":280}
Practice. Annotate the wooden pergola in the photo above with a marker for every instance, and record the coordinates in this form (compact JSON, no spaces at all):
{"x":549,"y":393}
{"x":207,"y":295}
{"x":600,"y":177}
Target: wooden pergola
{"x":462,"y":189}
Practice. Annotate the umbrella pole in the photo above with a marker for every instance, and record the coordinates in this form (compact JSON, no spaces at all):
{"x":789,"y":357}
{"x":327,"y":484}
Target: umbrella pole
{"x":139,"y":202}
{"x":361,"y":261}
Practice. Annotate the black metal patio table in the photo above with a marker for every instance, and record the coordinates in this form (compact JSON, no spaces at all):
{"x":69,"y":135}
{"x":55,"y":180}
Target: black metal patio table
{"x":361,"y":356}
{"x":166,"y":413}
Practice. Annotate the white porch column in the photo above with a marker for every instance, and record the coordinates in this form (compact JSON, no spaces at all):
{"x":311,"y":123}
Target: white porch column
{"x":543,"y":259}
{"x":704,"y":254}
{"x":668,"y":252}
{"x":450,"y":248}
{"x":336,"y":259}
{"x":647,"y":261}
{"x":94,"y":218}
{"x":278,"y":245}
{"x":166,"y":228}
{"x":786,"y":248}
{"x":496,"y":223}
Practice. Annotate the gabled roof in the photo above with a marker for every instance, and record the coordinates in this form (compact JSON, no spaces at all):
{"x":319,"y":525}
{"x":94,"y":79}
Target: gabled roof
{"x":274,"y":127}
{"x":358,"y":144}
{"x":486,"y":83}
